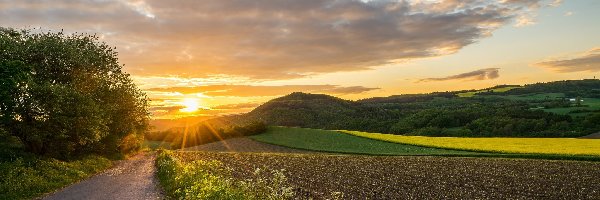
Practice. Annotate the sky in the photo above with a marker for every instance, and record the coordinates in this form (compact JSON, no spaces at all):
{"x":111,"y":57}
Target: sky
{"x":207,"y":58}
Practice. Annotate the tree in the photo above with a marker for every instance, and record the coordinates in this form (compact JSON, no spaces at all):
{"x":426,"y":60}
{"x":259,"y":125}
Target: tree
{"x":67,"y":94}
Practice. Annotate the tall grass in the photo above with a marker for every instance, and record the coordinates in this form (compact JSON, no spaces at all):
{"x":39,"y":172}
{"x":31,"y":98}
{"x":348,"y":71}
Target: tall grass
{"x":201,"y":179}
{"x":31,"y":177}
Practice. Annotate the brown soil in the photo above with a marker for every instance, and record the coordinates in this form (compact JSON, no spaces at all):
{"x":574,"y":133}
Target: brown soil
{"x":243,"y":144}
{"x":419,"y":177}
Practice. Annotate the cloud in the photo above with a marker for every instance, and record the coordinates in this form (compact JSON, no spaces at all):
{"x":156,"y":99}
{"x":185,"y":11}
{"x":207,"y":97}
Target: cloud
{"x":251,"y":90}
{"x":165,"y":110}
{"x":236,"y":106}
{"x":268,"y":39}
{"x":588,"y":61}
{"x":482,"y":74}
{"x":524,"y":20}
{"x":568,"y":13}
{"x":169,"y":111}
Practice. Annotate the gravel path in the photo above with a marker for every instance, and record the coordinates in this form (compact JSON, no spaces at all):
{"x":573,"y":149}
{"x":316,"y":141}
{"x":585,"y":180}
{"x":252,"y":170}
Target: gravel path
{"x":243,"y":144}
{"x":128,"y":179}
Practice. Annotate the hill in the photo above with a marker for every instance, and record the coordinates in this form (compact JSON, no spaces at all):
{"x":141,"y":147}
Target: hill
{"x":318,"y":111}
{"x":500,"y":111}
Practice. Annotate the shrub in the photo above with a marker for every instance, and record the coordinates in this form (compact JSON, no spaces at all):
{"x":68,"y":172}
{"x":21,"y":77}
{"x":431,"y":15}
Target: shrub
{"x":64,"y":95}
{"x":31,"y":177}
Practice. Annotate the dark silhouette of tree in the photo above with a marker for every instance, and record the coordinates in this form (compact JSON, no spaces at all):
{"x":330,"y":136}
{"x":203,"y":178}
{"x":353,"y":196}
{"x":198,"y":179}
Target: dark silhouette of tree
{"x":63,"y":95}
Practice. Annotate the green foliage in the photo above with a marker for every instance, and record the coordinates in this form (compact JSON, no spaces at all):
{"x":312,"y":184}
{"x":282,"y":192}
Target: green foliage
{"x":436,"y":114}
{"x":26,"y":178}
{"x":519,"y":114}
{"x":201,"y":179}
{"x":64,"y":95}
{"x":333,"y":141}
{"x":589,"y":88}
{"x":322,"y":112}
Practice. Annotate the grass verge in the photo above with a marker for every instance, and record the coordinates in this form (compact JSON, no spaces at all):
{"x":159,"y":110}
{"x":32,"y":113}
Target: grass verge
{"x":30,"y":177}
{"x":209,"y":179}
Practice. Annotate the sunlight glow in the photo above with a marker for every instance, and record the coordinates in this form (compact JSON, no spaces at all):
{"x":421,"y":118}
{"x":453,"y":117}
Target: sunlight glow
{"x":190,"y":104}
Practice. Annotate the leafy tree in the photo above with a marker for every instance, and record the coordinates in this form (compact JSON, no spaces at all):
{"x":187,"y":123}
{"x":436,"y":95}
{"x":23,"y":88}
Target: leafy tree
{"x":67,"y":94}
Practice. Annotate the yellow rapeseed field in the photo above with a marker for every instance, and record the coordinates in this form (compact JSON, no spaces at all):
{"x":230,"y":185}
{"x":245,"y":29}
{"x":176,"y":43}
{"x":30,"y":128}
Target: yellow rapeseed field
{"x":558,"y":146}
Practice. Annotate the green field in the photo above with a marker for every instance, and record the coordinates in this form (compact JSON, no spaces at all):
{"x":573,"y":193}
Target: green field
{"x":592,"y":104}
{"x":471,"y":94}
{"x":541,"y":146}
{"x":333,"y":141}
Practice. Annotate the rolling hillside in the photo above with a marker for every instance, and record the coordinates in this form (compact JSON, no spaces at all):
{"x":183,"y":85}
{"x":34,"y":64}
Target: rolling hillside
{"x":521,"y":111}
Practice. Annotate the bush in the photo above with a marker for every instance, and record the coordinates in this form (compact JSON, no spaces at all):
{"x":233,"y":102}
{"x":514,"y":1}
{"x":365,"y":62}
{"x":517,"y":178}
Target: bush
{"x":64,"y":95}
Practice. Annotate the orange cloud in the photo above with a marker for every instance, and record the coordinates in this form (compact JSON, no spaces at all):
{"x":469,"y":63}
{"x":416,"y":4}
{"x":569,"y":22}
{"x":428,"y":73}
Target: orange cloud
{"x":482,"y":74}
{"x":589,"y":61}
{"x":269,"y":39}
{"x":251,"y":90}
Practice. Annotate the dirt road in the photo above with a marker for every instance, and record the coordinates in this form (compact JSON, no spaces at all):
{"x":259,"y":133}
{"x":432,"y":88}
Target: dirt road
{"x":128,"y":179}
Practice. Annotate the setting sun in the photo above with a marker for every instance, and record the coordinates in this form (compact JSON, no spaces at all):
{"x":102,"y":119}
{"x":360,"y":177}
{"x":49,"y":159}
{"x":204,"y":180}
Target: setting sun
{"x":190,"y":104}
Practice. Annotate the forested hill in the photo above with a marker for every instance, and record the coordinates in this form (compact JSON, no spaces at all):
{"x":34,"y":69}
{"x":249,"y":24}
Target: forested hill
{"x":535,"y":110}
{"x":566,"y":110}
{"x":573,"y":88}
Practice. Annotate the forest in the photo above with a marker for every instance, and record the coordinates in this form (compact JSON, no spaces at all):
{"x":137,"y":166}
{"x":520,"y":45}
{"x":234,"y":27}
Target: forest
{"x":519,"y":112}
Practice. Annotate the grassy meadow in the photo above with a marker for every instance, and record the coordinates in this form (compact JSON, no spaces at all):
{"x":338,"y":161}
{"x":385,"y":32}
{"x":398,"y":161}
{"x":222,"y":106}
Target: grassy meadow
{"x":549,"y":146}
{"x":333,"y":141}
{"x":473,"y":93}
{"x":26,"y":175}
{"x":30,"y":178}
{"x":588,"y":104}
